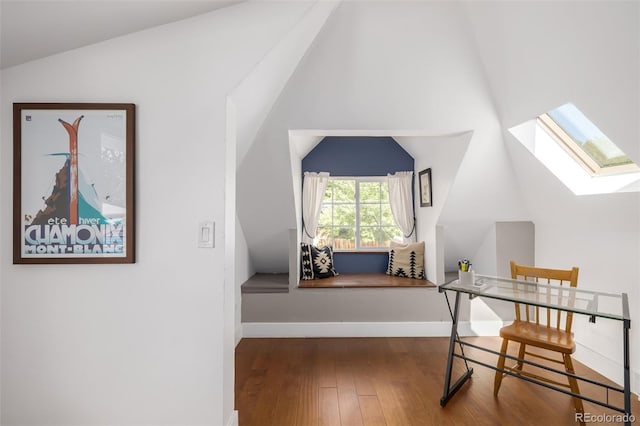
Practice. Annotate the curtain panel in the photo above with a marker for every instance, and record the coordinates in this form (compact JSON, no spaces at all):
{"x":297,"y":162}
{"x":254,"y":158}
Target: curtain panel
{"x":313,"y":189}
{"x":401,"y":200}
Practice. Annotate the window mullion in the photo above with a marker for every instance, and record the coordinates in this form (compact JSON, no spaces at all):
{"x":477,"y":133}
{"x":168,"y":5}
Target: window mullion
{"x":380,"y":214}
{"x":333,"y":209}
{"x":357,"y":202}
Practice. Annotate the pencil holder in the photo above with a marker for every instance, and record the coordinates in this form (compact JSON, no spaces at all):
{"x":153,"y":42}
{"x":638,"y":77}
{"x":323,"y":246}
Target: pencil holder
{"x":466,"y":277}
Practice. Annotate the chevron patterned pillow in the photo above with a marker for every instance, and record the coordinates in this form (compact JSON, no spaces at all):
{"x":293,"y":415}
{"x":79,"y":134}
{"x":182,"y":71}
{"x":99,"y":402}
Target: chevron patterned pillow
{"x":407,"y":260}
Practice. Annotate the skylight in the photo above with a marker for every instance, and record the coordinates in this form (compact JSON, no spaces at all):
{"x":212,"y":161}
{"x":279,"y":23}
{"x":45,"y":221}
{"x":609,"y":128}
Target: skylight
{"x":591,"y":148}
{"x":578,"y":153}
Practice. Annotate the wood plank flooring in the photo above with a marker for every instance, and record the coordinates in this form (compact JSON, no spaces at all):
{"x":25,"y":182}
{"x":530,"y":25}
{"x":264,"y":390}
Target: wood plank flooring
{"x":389,"y":381}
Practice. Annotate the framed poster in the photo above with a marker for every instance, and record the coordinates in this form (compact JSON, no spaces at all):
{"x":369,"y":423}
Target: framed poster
{"x":425,"y":188}
{"x":73,"y":183}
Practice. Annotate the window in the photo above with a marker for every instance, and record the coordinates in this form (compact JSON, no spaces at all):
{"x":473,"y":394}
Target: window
{"x":356,"y":215}
{"x":578,"y":153}
{"x":591,"y":148}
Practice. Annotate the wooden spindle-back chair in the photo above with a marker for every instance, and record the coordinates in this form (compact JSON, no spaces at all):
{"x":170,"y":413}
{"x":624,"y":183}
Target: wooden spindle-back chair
{"x":541,"y":327}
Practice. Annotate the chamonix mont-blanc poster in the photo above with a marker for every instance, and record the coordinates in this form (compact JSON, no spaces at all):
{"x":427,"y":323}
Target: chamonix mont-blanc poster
{"x":73,"y":183}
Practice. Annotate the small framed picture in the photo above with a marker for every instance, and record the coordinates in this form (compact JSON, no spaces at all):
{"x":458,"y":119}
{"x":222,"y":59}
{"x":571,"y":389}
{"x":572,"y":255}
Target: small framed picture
{"x":73,"y":181}
{"x":425,"y":188}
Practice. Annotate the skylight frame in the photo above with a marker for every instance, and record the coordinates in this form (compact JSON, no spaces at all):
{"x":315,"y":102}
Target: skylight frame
{"x":577,"y":152}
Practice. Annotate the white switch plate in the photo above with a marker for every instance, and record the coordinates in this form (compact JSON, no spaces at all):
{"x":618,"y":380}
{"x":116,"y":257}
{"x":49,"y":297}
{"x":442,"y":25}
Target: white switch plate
{"x":206,"y":234}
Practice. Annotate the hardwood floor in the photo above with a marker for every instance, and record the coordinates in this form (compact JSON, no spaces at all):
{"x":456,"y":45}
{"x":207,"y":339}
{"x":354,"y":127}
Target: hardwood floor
{"x":388,"y":381}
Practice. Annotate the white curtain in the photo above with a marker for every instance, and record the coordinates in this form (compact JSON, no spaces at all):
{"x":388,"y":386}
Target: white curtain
{"x":314,"y":186}
{"x":401,"y":200}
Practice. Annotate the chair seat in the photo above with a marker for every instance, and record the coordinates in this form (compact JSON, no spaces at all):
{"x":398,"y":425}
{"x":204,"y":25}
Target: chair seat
{"x":539,"y":336}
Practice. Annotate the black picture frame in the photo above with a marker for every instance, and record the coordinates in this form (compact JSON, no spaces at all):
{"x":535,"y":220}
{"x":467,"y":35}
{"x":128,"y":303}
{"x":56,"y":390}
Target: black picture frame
{"x":73,"y":183}
{"x":426,"y":192}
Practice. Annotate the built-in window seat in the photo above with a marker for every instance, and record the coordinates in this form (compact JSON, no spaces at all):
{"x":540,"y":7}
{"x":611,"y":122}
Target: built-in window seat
{"x":279,"y":283}
{"x":365,"y":280}
{"x":266,"y":283}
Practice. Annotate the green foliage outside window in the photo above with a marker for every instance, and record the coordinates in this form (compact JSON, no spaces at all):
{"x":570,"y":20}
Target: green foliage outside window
{"x":369,"y":217}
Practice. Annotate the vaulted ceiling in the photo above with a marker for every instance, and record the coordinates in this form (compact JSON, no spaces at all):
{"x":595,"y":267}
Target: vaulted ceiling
{"x":31,"y":30}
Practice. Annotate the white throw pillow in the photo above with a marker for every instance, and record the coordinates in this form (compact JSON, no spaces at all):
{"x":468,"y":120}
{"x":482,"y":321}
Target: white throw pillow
{"x":406,"y":260}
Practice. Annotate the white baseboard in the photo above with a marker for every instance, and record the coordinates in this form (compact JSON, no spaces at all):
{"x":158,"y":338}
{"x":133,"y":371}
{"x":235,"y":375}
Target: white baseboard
{"x":238,"y":334}
{"x":368,"y":329}
{"x":233,"y":419}
{"x":609,"y":368}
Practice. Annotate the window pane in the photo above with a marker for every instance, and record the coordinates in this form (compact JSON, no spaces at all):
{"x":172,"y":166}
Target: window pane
{"x":387,"y":216}
{"x":328,"y":193}
{"x":344,"y":238}
{"x":369,"y":237}
{"x":325,"y":216}
{"x":390,"y":234}
{"x":344,"y":214}
{"x":588,"y":137}
{"x":369,"y":192}
{"x":384,"y":192}
{"x":344,"y":191}
{"x":323,"y":237}
{"x":369,"y":214}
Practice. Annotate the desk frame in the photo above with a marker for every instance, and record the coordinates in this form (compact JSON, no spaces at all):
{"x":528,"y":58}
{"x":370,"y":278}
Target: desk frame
{"x":450,"y":390}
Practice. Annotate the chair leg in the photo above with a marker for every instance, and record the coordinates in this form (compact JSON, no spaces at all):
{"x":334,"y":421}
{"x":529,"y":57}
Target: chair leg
{"x":573,"y":383}
{"x":521,"y":356}
{"x":498,"y":379}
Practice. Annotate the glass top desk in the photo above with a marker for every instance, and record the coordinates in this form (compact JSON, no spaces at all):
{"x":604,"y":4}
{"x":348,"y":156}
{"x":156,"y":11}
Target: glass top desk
{"x":593,"y":304}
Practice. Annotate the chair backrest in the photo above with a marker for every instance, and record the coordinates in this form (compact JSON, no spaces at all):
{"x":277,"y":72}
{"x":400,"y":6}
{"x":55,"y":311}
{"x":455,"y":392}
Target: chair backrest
{"x":554,"y":318}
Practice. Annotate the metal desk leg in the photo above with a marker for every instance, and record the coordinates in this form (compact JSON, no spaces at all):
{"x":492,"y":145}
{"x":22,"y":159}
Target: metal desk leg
{"x":627,"y":378}
{"x":449,"y":391}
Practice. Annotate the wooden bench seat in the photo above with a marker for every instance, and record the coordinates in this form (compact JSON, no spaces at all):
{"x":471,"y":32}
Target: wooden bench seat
{"x":365,"y":280}
{"x":266,"y":283}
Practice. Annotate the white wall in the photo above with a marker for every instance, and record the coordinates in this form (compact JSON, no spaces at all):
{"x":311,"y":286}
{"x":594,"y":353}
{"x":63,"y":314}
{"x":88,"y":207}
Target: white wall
{"x":152,"y":342}
{"x":244,"y":271}
{"x":539,"y":55}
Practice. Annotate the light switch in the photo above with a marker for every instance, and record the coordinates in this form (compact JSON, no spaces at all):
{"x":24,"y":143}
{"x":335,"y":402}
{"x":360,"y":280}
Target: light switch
{"x":206,"y":234}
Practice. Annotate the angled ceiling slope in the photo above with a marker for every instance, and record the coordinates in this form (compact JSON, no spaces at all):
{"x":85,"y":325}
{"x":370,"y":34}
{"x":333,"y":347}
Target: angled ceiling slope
{"x":255,"y":96}
{"x":31,"y":30}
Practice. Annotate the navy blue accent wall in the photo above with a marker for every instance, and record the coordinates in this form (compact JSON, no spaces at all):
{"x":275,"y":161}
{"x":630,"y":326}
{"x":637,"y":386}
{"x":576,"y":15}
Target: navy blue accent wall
{"x":353,"y":262}
{"x":358,"y":156}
